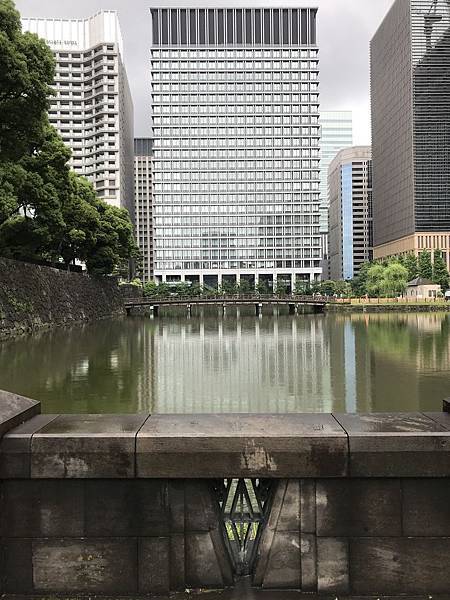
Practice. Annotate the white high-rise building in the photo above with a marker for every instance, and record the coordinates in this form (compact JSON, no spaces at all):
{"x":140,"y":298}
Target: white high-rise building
{"x":336,"y":128}
{"x":92,"y":108}
{"x":235,"y":105}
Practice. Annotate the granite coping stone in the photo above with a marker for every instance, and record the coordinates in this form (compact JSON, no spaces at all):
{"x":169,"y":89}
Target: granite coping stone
{"x":15,"y":409}
{"x":240,"y":445}
{"x":396,"y":445}
{"x":15,"y":447}
{"x":228,"y":445}
{"x":86,"y":446}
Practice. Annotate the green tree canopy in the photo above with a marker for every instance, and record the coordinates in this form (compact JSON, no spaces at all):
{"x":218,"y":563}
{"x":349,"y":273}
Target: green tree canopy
{"x":410,"y":262}
{"x":440,"y":271}
{"x":375,"y":280}
{"x":27,"y":70}
{"x":395,"y":278}
{"x":425,"y":265}
{"x":47,"y":212}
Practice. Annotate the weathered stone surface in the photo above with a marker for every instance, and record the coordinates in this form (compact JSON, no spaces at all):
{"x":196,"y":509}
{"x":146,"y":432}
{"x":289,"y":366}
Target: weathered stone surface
{"x":308,"y":549}
{"x":85,"y":566}
{"x":201,"y":446}
{"x":86,"y":446}
{"x":15,"y":448}
{"x":443,"y":418}
{"x":33,"y":297}
{"x":178,"y":562}
{"x":15,"y":410}
{"x":333,"y":565}
{"x":278,"y":563}
{"x":201,"y":513}
{"x":400,"y":565}
{"x":17,"y":569}
{"x":206,"y":565}
{"x":426,"y":507}
{"x":127,"y":508}
{"x":33,"y":509}
{"x":396,"y":445}
{"x":359,"y":507}
{"x":154,"y":565}
{"x":308,"y":505}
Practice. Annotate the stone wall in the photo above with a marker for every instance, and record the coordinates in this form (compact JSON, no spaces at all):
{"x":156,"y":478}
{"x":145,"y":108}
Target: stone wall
{"x":34,"y":297}
{"x":125,"y":504}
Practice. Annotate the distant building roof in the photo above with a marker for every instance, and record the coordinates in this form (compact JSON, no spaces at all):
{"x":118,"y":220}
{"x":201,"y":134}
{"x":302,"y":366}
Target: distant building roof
{"x":419,"y":281}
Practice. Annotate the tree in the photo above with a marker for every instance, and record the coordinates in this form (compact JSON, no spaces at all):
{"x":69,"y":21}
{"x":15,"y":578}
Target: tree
{"x":395,"y":278}
{"x":359,"y":284}
{"x":47,"y":212}
{"x":440,"y":271}
{"x":425,"y":265}
{"x":27,"y":69}
{"x":375,"y":280}
{"x":410,"y":262}
{"x":113,"y":240}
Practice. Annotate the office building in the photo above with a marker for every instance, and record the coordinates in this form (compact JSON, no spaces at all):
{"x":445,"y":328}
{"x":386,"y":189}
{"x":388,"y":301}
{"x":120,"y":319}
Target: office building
{"x":92,"y":107}
{"x":235,"y":105}
{"x":350,"y":209}
{"x":143,"y":157}
{"x":336,"y":133}
{"x":410,"y":69}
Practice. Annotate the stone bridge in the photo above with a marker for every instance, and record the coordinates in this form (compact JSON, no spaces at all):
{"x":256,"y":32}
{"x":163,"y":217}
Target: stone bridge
{"x":338,"y":505}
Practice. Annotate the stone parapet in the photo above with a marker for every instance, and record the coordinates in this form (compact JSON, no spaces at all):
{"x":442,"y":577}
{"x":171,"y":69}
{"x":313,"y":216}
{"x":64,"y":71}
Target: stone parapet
{"x":218,"y":446}
{"x":131,"y":505}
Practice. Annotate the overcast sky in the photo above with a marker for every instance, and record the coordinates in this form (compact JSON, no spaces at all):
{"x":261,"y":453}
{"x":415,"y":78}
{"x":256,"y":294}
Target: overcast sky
{"x":345,"y":30}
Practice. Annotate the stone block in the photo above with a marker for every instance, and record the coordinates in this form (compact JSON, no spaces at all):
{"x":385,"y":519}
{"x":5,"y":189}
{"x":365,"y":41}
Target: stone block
{"x":176,"y":505}
{"x":17,"y":566}
{"x":400,"y":565}
{"x":85,"y":566}
{"x":35,"y":509}
{"x":154,"y":565}
{"x":283,"y":569}
{"x":86,"y":446}
{"x":126,"y":508}
{"x":358,"y":507}
{"x":201,"y":509}
{"x":289,"y":517}
{"x":205,"y":567}
{"x":333,"y":566}
{"x":15,"y":448}
{"x":308,"y":506}
{"x":426,"y":507}
{"x":177,"y":562}
{"x":15,"y":410}
{"x":396,"y":445}
{"x":210,"y":446}
{"x":443,"y":418}
{"x":308,"y":550}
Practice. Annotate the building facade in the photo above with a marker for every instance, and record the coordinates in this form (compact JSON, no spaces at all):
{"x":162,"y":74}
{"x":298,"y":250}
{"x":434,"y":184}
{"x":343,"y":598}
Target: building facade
{"x":92,"y":108}
{"x":235,"y":105}
{"x":350,"y":210}
{"x":143,"y":185}
{"x":336,"y":133}
{"x":410,"y":71}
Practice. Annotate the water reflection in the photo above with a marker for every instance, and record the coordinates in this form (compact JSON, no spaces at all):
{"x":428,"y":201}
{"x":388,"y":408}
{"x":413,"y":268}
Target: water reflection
{"x":237,"y":363}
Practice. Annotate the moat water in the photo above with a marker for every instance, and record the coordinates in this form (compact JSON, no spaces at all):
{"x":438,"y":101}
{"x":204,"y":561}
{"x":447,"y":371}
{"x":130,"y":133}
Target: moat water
{"x":236,"y":363}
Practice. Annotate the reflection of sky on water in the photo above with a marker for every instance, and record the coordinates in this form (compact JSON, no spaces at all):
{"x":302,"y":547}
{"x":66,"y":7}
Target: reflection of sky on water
{"x":376,"y":362}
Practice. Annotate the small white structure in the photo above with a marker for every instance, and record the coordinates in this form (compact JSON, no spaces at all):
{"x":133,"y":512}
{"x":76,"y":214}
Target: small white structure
{"x":420,"y":288}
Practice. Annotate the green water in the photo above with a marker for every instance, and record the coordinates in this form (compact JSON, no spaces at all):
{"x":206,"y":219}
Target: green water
{"x":236,"y":363}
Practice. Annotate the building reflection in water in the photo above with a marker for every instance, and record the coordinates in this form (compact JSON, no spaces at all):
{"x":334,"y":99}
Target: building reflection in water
{"x":236,"y":363}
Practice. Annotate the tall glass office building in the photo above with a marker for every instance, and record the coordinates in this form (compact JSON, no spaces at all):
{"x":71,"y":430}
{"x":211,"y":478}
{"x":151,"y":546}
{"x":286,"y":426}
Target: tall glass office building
{"x":410,"y":74}
{"x":235,"y":104}
{"x":336,"y":133}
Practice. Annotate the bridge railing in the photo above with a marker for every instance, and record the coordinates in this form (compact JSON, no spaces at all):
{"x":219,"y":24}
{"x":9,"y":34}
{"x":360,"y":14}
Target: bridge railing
{"x":291,"y":298}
